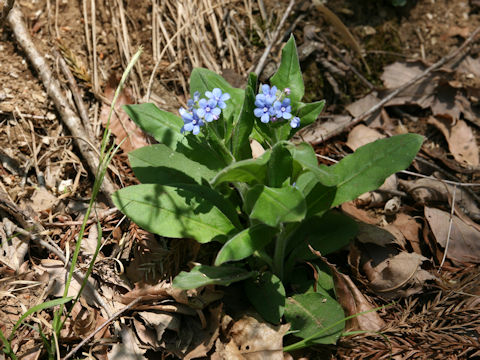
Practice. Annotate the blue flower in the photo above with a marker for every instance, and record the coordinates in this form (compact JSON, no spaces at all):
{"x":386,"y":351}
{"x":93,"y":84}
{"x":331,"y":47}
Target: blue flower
{"x":208,"y":110}
{"x":295,"y":122}
{"x":269,"y":95}
{"x":263,"y":109}
{"x":192,"y":102}
{"x":191,"y":121}
{"x":219,"y":97}
{"x":283,"y":109}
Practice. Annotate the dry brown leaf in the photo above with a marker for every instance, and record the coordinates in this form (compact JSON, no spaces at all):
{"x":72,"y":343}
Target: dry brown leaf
{"x":251,"y":339}
{"x":361,"y":135}
{"x":410,"y":228}
{"x":13,"y":249}
{"x":42,"y":200}
{"x":121,"y":126}
{"x":82,"y":322}
{"x":353,"y":302}
{"x":362,"y":215}
{"x":421,"y":93}
{"x":460,"y":138}
{"x":364,"y":104}
{"x":128,"y":348}
{"x":426,"y":191}
{"x":464,"y":245}
{"x":57,"y":277}
{"x":399,"y":276}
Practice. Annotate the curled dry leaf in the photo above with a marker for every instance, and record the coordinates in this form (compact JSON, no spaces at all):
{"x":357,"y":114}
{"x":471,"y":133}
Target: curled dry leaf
{"x":128,"y":348}
{"x":464,"y":245}
{"x":427,"y":191}
{"x":13,"y":248}
{"x":120,"y":124}
{"x":460,"y":138}
{"x":257,"y":148}
{"x":353,"y":302}
{"x":250,"y":338}
{"x":399,"y":276}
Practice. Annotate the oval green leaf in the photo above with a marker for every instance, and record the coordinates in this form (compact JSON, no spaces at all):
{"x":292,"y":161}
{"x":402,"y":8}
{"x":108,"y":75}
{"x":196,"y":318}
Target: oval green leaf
{"x":245,"y":243}
{"x":314,"y":315}
{"x":202,"y":275}
{"x":173,"y":212}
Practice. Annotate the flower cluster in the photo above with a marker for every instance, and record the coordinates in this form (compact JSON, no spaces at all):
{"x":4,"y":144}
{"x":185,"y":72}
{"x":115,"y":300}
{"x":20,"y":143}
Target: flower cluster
{"x":201,"y":110}
{"x":273,"y":105}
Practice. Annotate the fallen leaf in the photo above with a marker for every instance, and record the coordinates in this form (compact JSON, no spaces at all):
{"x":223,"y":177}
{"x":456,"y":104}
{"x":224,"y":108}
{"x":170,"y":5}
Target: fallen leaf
{"x":464,"y":245}
{"x":128,"y":348}
{"x":42,"y":200}
{"x":353,"y":302}
{"x":361,"y":135}
{"x":399,"y":276}
{"x":13,"y":248}
{"x":364,"y":104}
{"x":410,"y":228}
{"x":250,"y":338}
{"x":58,"y":276}
{"x":120,"y":124}
{"x":460,"y":138}
{"x":427,"y":191}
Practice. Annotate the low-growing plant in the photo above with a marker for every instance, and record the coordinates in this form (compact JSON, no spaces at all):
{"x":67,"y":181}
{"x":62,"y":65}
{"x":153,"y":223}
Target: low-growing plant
{"x":202,"y":182}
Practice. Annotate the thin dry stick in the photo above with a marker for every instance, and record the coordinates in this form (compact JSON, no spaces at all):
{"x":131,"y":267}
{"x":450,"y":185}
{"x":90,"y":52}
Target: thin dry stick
{"x":71,"y":120}
{"x":77,"y":97}
{"x":273,"y":40}
{"x":7,"y":6}
{"x":450,"y":224}
{"x":397,"y":91}
{"x":100,"y":328}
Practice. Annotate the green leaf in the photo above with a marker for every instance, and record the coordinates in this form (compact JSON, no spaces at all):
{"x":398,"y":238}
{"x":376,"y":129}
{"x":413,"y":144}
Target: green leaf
{"x":173,"y":212}
{"x":162,"y":125}
{"x":245,"y":243}
{"x":319,"y":199}
{"x":202,"y":275}
{"x":267,"y":295}
{"x":327,"y":234}
{"x":279,"y":166}
{"x":273,"y":206}
{"x":368,"y":167}
{"x":308,"y":113}
{"x":249,"y":171}
{"x":289,"y":73}
{"x":158,"y":164}
{"x":39,"y":307}
{"x":243,"y":127}
{"x":309,"y":313}
{"x":203,"y":80}
{"x":304,"y":155}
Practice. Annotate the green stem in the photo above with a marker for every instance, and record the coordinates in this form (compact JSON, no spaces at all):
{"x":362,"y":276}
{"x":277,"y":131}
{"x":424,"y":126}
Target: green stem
{"x":279,"y":254}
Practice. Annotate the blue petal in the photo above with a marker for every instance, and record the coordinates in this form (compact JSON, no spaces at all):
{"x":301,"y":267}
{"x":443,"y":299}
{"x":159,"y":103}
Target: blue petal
{"x":287,"y":115}
{"x":265,"y":89}
{"x":209,"y":117}
{"x":258,"y":112}
{"x":202,"y":103}
{"x":188,"y":126}
{"x":208,"y":94}
{"x":196,"y":129}
{"x":217,"y":93}
{"x":216,"y":111}
{"x":222,"y":105}
{"x":201,"y":112}
{"x":265,"y":118}
{"x":225,"y":97}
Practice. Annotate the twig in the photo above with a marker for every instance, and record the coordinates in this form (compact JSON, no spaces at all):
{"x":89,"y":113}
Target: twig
{"x":71,"y":120}
{"x":77,"y":97}
{"x":450,"y":224}
{"x":100,"y":328}
{"x":394,"y":93}
{"x":8,"y":4}
{"x":273,"y":40}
